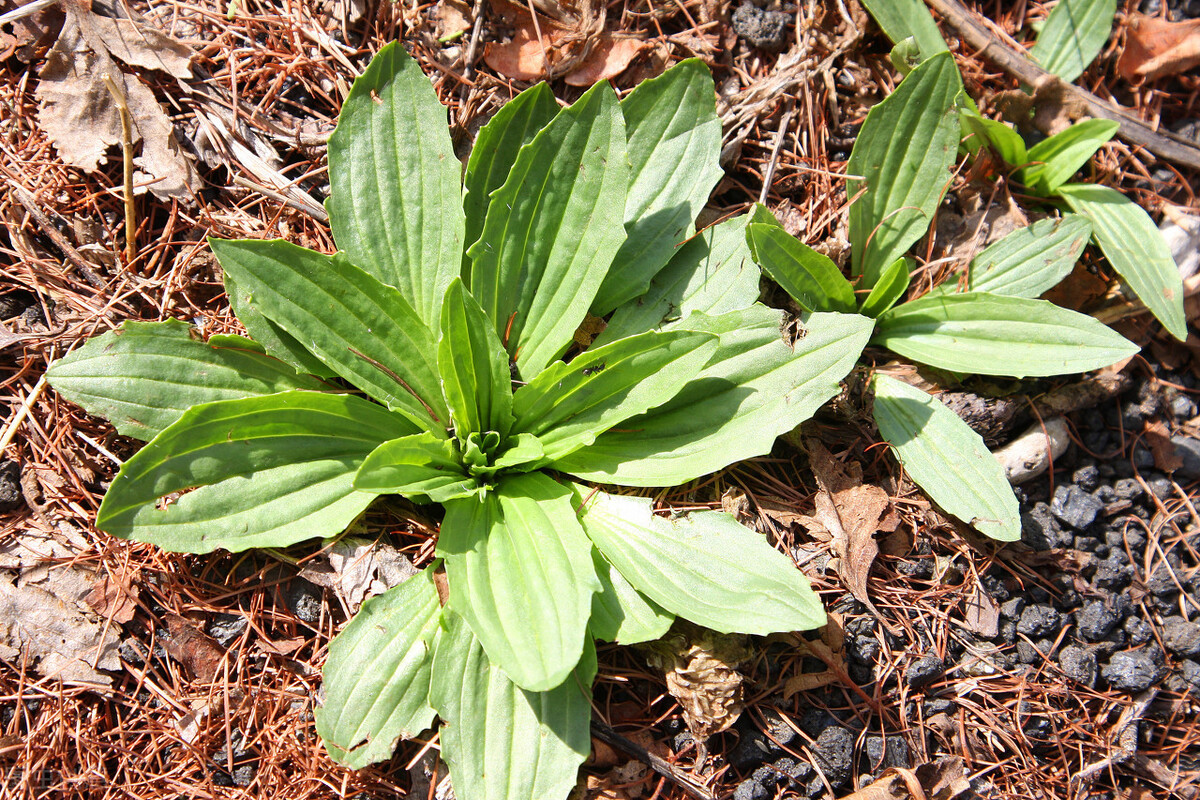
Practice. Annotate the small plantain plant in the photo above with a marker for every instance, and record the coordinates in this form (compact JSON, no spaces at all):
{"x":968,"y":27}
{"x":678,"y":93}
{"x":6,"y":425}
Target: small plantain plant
{"x":426,"y":360}
{"x":902,"y":164}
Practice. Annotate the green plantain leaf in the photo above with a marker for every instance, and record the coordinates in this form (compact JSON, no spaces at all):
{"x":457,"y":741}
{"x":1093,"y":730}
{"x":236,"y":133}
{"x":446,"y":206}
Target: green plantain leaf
{"x":905,"y":151}
{"x":621,"y":613}
{"x":521,"y":575}
{"x":705,"y":566}
{"x":991,"y":334}
{"x":946,"y":458}
{"x":810,"y":278}
{"x":501,"y":741}
{"x":144,"y":375}
{"x":1058,"y":158}
{"x":377,"y":675}
{"x":755,"y":388}
{"x":568,"y":405}
{"x":346,"y":318}
{"x":1001,"y":137}
{"x":474,"y":367}
{"x":496,"y":148}
{"x":1030,"y":260}
{"x":422,"y":465}
{"x":275,"y":341}
{"x":712,"y":273}
{"x":550,"y":233}
{"x":1135,"y":248}
{"x":674,"y":142}
{"x":395,"y":205}
{"x":901,"y":19}
{"x":892,"y":285}
{"x":1073,"y":36}
{"x":254,"y":472}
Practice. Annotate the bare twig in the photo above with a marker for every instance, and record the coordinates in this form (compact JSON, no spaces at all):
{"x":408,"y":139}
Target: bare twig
{"x":668,"y":770}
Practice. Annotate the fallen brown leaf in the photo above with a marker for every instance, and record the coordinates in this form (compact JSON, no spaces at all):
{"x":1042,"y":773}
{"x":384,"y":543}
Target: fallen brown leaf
{"x":1155,"y":48}
{"x":1158,"y":437}
{"x":78,"y":113}
{"x":451,"y":18}
{"x":55,"y":636}
{"x":944,"y":779}
{"x":982,"y":614}
{"x":112,"y":600}
{"x":198,"y":652}
{"x":852,"y":512}
{"x":701,"y":672}
{"x":581,"y":54}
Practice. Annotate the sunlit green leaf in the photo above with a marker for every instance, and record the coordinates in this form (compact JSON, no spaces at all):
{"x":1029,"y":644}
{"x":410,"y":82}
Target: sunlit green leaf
{"x":810,"y":278}
{"x":521,"y":575}
{"x":621,"y":613}
{"x":395,"y":205}
{"x":902,"y":19}
{"x":892,"y":285}
{"x":1000,"y":137}
{"x":705,"y":566}
{"x":144,"y":375}
{"x":1030,"y":260}
{"x":1058,"y":158}
{"x":992,"y":334}
{"x":946,"y":458}
{"x":256,"y":472}
{"x":1135,"y":248}
{"x":1074,"y":34}
{"x":377,"y":674}
{"x":476,"y":380}
{"x":422,"y":464}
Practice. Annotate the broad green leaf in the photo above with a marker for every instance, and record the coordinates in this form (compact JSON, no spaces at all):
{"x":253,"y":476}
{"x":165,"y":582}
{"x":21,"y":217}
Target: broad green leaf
{"x":274,"y":340}
{"x":991,"y":334}
{"x":810,"y":278}
{"x":674,"y":142}
{"x":254,"y":472}
{"x":550,"y":233}
{"x":523,"y":449}
{"x":500,"y":741}
{"x":395,"y":204}
{"x":1135,"y":248}
{"x":901,"y":19}
{"x":1059,"y":157}
{"x":621,"y":613}
{"x":521,"y":575}
{"x":476,"y":380}
{"x":712,"y":273}
{"x":892,"y":285}
{"x":568,"y":405}
{"x":422,"y":465}
{"x":705,"y":566}
{"x":362,"y":329}
{"x":905,"y":151}
{"x":496,"y":148}
{"x":1031,"y":260}
{"x":946,"y":458}
{"x":999,"y":136}
{"x":1073,"y":36}
{"x":144,"y":375}
{"x":377,"y":674}
{"x":755,"y":388}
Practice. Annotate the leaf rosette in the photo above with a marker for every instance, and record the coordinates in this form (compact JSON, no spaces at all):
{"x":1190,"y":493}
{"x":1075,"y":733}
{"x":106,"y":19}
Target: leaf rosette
{"x":435,"y":357}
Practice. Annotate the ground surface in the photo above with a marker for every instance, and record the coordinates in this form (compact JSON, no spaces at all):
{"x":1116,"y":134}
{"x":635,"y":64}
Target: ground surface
{"x":1064,"y":666}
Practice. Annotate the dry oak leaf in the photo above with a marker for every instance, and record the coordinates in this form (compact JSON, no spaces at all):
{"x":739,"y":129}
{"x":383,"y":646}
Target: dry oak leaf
{"x":524,"y":57}
{"x":78,"y":113}
{"x":1156,"y":48}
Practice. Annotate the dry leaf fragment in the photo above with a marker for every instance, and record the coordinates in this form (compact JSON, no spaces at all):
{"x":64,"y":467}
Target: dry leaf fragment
{"x":356,"y":569}
{"x":982,"y":613}
{"x":1157,"y":47}
{"x":197,"y":651}
{"x":77,"y":112}
{"x":135,"y":44}
{"x":944,"y":779}
{"x":56,"y":637}
{"x":451,"y":18}
{"x":701,"y":671}
{"x":852,"y":512}
{"x":579,"y":50}
{"x":1158,"y":437}
{"x":113,"y":600}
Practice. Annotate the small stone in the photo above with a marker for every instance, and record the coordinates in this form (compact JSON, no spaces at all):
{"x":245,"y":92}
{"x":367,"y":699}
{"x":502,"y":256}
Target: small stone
{"x":1188,"y":449}
{"x":1078,"y":664}
{"x":1013,"y":608}
{"x":226,"y":628}
{"x":1114,"y":573}
{"x":1096,"y":620}
{"x":1160,"y":486}
{"x":1190,"y":671}
{"x":1038,"y":621}
{"x":1039,"y":529}
{"x":1128,"y":489}
{"x":923,"y":671}
{"x":10,"y":485}
{"x":1183,"y":407}
{"x":1027,"y":653}
{"x":938,"y":705}
{"x":750,"y":789}
{"x":766,"y":30}
{"x":1181,"y":637}
{"x":885,"y":752}
{"x":834,"y":753}
{"x":1086,"y":478}
{"x":1138,"y":631}
{"x":1074,"y":507}
{"x":304,"y":599}
{"x":1162,"y":581}
{"x":1132,"y":671}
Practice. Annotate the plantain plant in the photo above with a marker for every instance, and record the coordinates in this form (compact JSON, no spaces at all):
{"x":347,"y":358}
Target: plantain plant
{"x":901,"y":167}
{"x":438,"y":357}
